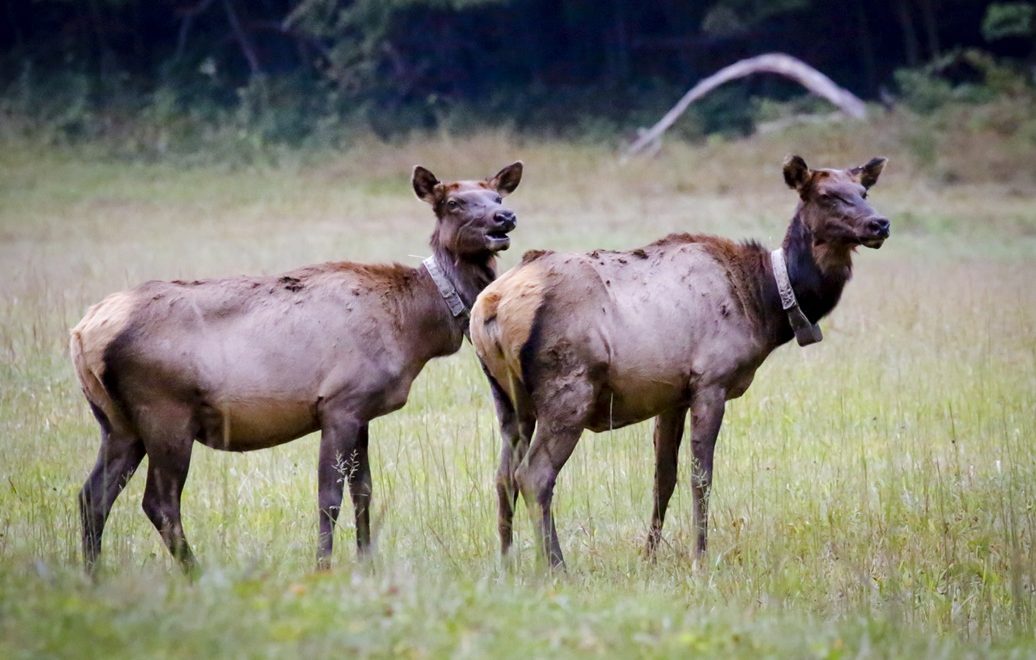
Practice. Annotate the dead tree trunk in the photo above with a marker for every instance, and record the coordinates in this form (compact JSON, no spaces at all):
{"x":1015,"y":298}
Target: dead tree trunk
{"x":778,"y":63}
{"x":242,"y":39}
{"x":906,"y":24}
{"x":931,"y":27}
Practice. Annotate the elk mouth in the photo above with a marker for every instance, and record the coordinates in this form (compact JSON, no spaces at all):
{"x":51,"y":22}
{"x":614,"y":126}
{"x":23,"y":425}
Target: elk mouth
{"x":879,"y":231}
{"x":497,"y":240}
{"x":875,"y":241}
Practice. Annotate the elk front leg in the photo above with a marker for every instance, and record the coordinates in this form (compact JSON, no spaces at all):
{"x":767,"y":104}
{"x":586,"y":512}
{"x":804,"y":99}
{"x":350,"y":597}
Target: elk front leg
{"x":338,"y":462}
{"x":706,"y":418}
{"x":668,"y":435}
{"x":360,"y":489}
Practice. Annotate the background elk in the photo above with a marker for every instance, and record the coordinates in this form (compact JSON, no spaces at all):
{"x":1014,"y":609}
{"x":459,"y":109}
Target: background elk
{"x":602,"y":340}
{"x":251,"y":362}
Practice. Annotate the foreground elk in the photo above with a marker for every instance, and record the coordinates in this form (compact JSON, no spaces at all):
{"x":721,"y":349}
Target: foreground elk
{"x":602,"y":340}
{"x":251,"y":362}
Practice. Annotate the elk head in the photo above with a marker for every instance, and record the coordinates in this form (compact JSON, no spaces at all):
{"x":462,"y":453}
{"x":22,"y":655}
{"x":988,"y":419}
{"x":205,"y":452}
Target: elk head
{"x":834,"y":204}
{"x":472,"y":220}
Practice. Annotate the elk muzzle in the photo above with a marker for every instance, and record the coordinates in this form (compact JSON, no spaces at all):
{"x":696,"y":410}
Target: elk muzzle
{"x":504,"y":222}
{"x":875,"y":230}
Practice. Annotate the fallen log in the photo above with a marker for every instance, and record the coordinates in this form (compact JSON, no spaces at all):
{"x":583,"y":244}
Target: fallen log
{"x":778,"y":63}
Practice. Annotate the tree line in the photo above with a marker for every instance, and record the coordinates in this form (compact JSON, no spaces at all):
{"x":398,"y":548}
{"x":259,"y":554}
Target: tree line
{"x":496,"y":56}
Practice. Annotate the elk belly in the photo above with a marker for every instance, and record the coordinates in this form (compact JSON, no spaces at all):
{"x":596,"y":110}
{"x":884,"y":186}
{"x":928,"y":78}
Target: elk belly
{"x":615,"y":409}
{"x":247,"y":424}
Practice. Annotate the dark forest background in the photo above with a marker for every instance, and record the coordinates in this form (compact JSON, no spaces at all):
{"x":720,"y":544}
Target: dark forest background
{"x":292,"y":71}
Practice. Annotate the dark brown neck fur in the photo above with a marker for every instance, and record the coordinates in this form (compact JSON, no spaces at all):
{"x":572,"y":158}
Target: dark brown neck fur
{"x":818,"y":274}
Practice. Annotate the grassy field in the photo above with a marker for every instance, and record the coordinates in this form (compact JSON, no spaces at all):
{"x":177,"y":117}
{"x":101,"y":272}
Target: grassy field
{"x":874,"y":494}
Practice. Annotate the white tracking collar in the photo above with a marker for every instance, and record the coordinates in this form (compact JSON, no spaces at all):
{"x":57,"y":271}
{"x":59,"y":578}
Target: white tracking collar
{"x":446,"y":288}
{"x":806,"y":333}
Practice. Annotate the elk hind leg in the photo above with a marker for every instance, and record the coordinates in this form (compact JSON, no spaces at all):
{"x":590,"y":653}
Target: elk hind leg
{"x":168,"y":438}
{"x":536,"y":477}
{"x":117,"y":459}
{"x":517,"y":423}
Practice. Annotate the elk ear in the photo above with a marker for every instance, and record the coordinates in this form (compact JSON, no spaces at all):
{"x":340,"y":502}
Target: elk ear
{"x":796,"y":172}
{"x":868,"y":174}
{"x":507,"y":179}
{"x":424,"y":183}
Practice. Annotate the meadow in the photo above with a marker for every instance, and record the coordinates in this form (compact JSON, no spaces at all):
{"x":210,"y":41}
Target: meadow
{"x":875,"y":495}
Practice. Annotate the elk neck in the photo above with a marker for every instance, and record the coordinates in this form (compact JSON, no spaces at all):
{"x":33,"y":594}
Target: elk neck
{"x":469,"y":274}
{"x":818,"y":274}
{"x":436,"y":329}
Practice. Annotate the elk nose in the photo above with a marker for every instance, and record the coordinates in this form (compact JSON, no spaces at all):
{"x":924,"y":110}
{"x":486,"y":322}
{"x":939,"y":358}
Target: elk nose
{"x":506,"y":217}
{"x":880,"y":226}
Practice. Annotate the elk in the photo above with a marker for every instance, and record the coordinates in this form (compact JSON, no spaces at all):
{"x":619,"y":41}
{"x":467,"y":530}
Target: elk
{"x":606,"y":339}
{"x":246,"y":363}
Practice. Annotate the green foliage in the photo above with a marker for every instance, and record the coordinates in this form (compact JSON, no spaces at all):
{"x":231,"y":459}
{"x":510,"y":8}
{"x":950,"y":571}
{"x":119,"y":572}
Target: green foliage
{"x":1009,"y":19}
{"x":930,"y":87}
{"x":729,"y":17}
{"x":356,"y":32}
{"x":996,"y":103}
{"x":55,"y":104}
{"x":922,"y":92}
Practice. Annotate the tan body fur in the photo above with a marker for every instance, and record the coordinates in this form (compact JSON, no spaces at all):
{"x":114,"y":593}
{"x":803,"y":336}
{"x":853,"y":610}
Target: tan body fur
{"x":615,"y":296}
{"x":258,"y":358}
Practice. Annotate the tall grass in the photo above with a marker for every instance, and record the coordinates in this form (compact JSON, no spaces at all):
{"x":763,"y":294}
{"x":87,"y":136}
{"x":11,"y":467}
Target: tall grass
{"x":874,"y":494}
